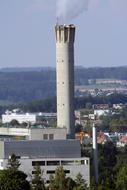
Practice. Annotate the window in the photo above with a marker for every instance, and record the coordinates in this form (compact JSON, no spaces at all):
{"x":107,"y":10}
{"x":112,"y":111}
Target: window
{"x":50,"y":171}
{"x":18,"y":157}
{"x":1,"y":164}
{"x":51,"y":136}
{"x":82,"y":162}
{"x":66,"y":171}
{"x":68,"y":162}
{"x":78,"y":162}
{"x":38,"y":163}
{"x":86,"y":162}
{"x":53,"y":163}
{"x":53,"y":171}
{"x":45,"y":136}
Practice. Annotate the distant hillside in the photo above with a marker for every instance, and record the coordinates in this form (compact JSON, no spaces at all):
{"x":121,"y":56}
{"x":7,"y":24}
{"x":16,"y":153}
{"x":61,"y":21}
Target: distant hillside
{"x":29,"y":85}
{"x":26,"y":69}
{"x":83,"y":74}
{"x":26,"y":86}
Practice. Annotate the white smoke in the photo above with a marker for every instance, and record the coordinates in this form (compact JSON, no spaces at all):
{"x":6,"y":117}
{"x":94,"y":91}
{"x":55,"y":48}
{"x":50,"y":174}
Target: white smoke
{"x":69,"y":9}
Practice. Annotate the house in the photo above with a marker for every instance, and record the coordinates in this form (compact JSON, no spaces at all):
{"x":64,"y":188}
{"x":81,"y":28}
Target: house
{"x":101,"y":106}
{"x":100,"y":112}
{"x":102,"y":138}
{"x":122,"y":141}
{"x":83,"y":137}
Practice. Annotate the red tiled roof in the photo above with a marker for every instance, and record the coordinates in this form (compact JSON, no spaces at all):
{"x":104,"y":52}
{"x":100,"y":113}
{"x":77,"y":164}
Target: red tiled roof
{"x":123,"y":139}
{"x":101,"y":137}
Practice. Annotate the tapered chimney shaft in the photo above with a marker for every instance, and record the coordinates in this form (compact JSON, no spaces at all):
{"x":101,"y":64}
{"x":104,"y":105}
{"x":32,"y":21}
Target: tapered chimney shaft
{"x":65,"y":35}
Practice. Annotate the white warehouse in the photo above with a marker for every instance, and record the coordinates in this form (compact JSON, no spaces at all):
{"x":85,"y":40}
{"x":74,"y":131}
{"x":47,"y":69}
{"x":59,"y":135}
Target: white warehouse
{"x":26,"y":117}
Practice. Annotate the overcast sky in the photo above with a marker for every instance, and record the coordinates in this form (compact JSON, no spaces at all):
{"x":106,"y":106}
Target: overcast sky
{"x":27,"y":33}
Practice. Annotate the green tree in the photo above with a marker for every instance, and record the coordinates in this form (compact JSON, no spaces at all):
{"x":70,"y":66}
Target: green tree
{"x":13,"y":162}
{"x":121,"y":179}
{"x":58,"y":181}
{"x":13,"y":179}
{"x":70,"y":183}
{"x":37,"y":180}
{"x":80,"y":183}
{"x":107,"y":161}
{"x":14,"y":122}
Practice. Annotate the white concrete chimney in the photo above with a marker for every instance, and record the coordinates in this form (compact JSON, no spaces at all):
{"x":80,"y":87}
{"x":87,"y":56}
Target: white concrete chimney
{"x":65,"y":35}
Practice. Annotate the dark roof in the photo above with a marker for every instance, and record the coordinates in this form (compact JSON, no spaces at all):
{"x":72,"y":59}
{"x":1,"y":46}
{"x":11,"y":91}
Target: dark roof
{"x":43,"y":149}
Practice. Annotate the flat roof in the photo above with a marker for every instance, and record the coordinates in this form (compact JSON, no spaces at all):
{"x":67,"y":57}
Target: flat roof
{"x":41,"y":149}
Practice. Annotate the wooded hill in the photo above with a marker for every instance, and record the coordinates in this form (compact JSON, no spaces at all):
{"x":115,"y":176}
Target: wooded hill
{"x":29,"y":85}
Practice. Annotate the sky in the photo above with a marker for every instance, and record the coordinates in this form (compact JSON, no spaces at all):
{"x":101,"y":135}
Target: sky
{"x":27,"y":33}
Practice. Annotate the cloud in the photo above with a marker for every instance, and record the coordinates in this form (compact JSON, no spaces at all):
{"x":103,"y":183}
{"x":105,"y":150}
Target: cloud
{"x":69,"y":9}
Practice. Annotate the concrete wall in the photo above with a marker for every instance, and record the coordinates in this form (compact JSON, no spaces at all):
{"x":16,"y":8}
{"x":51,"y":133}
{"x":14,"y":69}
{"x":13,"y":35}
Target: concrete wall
{"x":49,"y":133}
{"x":14,"y":131}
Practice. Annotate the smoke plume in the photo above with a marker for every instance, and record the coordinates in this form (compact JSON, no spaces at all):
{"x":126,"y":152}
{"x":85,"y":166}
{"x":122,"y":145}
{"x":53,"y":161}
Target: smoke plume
{"x":69,"y":9}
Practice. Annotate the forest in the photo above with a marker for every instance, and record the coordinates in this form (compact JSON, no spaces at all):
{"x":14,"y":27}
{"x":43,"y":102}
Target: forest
{"x":25,"y":86}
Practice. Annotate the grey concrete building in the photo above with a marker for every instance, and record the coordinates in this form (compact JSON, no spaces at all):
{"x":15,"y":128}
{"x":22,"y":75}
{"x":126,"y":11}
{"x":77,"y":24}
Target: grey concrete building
{"x":49,"y":154}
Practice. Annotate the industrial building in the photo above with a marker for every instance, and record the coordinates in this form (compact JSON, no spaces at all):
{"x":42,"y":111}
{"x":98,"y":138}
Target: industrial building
{"x":49,"y":154}
{"x":26,"y":117}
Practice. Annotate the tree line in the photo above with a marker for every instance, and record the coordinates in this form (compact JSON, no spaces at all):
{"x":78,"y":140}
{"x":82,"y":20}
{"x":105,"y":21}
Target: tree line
{"x":49,"y":104}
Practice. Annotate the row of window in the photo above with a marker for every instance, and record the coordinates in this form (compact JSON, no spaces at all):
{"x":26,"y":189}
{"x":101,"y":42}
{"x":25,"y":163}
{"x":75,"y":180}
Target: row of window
{"x":48,"y":136}
{"x":51,"y":172}
{"x":62,"y":162}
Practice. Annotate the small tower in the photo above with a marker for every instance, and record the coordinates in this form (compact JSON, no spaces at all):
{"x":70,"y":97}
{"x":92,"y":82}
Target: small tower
{"x":65,"y":35}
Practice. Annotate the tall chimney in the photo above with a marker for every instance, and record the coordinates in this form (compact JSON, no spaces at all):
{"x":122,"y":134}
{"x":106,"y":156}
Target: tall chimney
{"x":95,"y":153}
{"x":65,"y":35}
